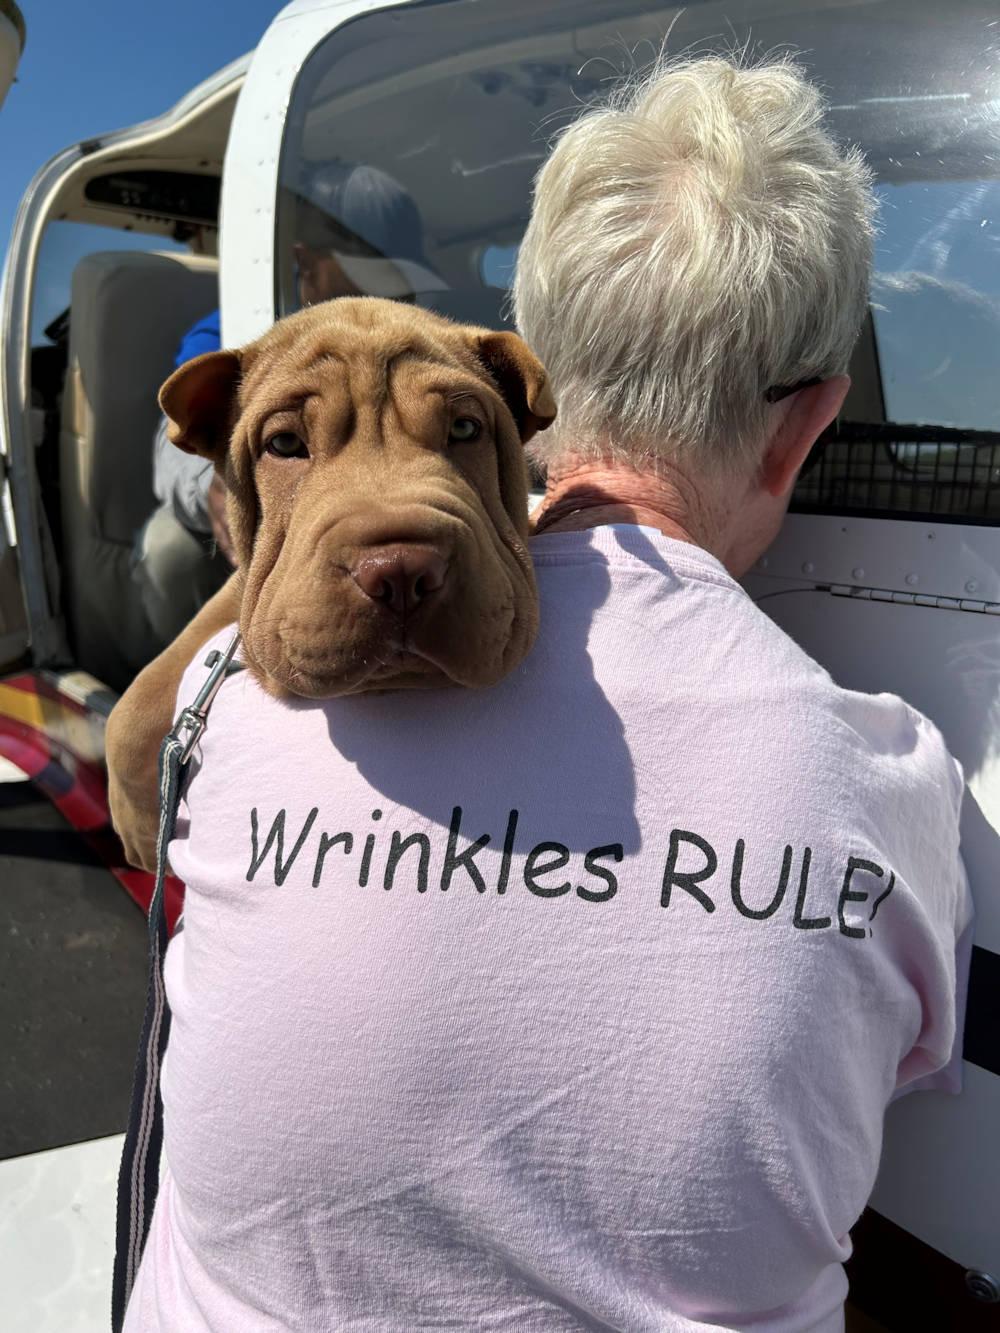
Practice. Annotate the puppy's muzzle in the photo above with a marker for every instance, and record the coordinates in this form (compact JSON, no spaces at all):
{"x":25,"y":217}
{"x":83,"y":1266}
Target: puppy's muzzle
{"x":401,"y":577}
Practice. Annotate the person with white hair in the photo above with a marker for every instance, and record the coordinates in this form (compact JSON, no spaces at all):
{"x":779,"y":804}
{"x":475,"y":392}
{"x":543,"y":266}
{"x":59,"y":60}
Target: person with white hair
{"x":694,"y":277}
{"x":576,"y":1003}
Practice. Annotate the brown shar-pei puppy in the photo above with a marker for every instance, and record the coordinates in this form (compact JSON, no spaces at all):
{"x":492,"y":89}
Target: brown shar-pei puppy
{"x":377,"y":498}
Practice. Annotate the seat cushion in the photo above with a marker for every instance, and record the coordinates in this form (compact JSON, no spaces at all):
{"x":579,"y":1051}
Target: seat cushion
{"x":129,"y":311}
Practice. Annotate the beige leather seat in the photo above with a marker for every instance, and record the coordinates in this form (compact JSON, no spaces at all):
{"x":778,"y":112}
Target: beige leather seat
{"x":129,"y":311}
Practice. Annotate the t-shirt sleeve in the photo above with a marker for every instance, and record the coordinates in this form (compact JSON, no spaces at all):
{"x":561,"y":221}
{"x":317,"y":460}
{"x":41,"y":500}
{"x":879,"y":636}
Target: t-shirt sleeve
{"x":949,"y":1077}
{"x":935,"y":1063}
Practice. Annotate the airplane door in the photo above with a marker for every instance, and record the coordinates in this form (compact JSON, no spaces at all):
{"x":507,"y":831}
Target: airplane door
{"x":914,"y":608}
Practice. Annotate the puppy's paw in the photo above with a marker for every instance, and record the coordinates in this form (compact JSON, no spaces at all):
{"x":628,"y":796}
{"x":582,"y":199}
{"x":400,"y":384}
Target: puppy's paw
{"x":137,"y":825}
{"x":132,"y":742}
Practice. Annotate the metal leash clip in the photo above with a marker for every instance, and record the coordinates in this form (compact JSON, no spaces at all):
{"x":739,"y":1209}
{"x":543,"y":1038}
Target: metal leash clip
{"x":191,"y":723}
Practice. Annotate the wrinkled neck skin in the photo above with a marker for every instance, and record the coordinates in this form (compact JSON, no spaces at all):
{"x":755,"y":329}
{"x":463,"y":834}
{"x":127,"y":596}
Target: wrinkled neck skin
{"x":586,"y":493}
{"x":723,"y":517}
{"x":582,"y":493}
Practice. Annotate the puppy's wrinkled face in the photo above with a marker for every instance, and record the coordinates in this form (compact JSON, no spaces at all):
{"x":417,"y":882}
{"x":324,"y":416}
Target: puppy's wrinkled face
{"x":377,"y":495}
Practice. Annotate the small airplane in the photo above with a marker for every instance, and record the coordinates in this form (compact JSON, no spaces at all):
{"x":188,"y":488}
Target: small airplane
{"x":887,"y":570}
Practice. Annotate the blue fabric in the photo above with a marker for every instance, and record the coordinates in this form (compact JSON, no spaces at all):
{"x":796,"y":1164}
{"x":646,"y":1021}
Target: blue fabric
{"x":205,"y":336}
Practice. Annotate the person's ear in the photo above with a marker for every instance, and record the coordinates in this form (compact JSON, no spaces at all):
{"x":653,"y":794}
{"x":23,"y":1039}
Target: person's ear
{"x":521,"y":379}
{"x":199,"y":402}
{"x":803,"y":417}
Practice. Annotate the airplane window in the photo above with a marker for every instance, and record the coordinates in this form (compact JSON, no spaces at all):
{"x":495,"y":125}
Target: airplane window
{"x":936,"y":302}
{"x":64,"y":244}
{"x":414,"y":134}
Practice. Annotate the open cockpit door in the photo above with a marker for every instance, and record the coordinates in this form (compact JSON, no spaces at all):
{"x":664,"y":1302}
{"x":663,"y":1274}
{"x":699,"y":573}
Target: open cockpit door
{"x":149,"y":187}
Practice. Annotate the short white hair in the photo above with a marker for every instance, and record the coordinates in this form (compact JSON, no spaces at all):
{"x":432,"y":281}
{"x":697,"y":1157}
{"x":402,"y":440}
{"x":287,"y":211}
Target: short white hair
{"x":696,"y":242}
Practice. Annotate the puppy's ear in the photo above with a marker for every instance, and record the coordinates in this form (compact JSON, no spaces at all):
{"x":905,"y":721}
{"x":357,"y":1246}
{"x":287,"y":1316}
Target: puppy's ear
{"x":521,"y":379}
{"x":199,"y":400}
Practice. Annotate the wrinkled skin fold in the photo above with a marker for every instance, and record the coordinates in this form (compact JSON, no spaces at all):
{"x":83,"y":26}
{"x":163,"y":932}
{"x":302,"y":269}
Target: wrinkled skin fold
{"x":377,"y":498}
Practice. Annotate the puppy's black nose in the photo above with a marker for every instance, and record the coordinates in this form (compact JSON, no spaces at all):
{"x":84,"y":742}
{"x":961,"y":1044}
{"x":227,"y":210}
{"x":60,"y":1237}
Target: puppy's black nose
{"x":400,"y":576}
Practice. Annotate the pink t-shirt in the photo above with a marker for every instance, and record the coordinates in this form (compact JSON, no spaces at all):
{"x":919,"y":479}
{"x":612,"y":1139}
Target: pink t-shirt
{"x":571,"y":1004}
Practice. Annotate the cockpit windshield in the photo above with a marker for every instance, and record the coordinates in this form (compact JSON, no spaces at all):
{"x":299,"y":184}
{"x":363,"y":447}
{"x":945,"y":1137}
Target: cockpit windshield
{"x":414,"y":134}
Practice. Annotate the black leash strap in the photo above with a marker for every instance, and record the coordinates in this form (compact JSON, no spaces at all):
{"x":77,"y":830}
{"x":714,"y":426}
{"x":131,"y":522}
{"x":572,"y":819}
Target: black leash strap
{"x":139,"y":1174}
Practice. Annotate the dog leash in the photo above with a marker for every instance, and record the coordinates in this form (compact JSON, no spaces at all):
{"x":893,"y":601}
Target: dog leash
{"x":139,"y":1174}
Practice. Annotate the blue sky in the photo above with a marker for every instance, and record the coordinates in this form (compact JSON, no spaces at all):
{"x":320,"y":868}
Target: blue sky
{"x":89,"y":68}
{"x":92,"y":68}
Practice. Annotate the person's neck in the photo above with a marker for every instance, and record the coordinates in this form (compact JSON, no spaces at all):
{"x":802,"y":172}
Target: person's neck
{"x":583,"y":493}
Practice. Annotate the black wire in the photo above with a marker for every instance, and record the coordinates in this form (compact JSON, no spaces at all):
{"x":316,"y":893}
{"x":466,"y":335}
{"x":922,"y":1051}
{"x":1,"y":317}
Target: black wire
{"x":784,"y":592}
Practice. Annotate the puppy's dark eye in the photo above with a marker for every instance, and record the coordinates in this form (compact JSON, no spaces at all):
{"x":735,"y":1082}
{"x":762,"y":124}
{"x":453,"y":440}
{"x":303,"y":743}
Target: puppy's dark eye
{"x":463,"y":429}
{"x":287,"y":445}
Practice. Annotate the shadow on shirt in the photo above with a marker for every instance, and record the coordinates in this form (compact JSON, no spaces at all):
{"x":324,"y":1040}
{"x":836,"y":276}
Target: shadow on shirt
{"x":546,"y":742}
